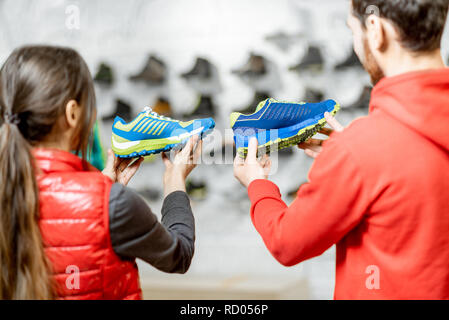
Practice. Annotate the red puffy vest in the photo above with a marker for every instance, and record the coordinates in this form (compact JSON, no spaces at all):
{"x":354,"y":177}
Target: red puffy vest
{"x":74,"y":222}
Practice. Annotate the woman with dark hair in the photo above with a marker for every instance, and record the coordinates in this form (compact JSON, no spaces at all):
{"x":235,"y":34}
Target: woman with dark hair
{"x":68,"y":230}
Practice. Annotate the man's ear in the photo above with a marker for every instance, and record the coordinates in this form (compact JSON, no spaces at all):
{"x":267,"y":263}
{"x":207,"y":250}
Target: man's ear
{"x":376,"y":33}
{"x":72,"y":113}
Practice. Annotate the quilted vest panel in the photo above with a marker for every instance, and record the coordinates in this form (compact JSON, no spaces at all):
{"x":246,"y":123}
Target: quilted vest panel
{"x":74,"y":223}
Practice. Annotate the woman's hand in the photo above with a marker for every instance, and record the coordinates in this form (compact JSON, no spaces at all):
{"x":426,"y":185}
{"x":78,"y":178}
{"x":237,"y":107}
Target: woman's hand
{"x":250,"y":169}
{"x":313,"y":147}
{"x":184,"y":162}
{"x":120,"y":170}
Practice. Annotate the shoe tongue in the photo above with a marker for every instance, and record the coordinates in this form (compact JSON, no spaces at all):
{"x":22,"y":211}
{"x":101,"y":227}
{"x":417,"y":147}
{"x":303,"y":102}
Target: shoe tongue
{"x":262,"y":104}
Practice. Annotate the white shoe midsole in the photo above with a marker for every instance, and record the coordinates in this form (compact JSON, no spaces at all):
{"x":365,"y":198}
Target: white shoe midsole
{"x":126,"y":145}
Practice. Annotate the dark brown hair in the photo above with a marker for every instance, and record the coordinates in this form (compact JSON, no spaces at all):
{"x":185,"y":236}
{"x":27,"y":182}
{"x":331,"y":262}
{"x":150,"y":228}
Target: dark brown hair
{"x":420,"y":23}
{"x":36,"y":83}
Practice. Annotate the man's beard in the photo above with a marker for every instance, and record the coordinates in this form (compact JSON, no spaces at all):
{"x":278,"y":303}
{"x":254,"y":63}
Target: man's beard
{"x":370,"y":64}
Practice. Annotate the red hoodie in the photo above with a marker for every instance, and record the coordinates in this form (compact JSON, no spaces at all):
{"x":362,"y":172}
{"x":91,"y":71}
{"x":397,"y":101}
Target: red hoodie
{"x":380,"y":191}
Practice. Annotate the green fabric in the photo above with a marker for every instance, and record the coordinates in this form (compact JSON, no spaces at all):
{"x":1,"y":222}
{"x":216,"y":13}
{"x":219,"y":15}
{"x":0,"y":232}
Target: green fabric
{"x":96,"y":154}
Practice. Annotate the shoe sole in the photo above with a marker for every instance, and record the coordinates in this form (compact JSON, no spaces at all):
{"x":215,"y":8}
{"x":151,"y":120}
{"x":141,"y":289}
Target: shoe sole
{"x":301,"y":136}
{"x":155,"y":146}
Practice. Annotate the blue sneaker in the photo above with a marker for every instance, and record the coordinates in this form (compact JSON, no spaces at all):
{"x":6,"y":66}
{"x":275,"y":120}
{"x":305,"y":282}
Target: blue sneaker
{"x":151,"y":133}
{"x":279,"y":125}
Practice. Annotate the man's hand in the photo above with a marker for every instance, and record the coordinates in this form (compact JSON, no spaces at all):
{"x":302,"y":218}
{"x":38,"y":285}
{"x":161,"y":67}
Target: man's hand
{"x":120,"y":170}
{"x":246,"y":171}
{"x":183,"y":163}
{"x":313,"y":147}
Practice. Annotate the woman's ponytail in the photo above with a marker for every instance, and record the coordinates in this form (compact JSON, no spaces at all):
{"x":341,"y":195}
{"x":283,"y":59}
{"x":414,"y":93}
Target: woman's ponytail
{"x":24,"y":272}
{"x":36,"y":83}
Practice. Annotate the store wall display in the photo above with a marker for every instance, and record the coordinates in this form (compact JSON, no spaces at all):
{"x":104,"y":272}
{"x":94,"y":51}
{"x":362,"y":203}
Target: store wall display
{"x":227,"y":151}
{"x":205,"y":107}
{"x":259,"y":96}
{"x":294,"y":192}
{"x":122,"y":110}
{"x":312,"y":61}
{"x":362,"y":103}
{"x":313,"y":95}
{"x":254,"y":67}
{"x":153,"y":73}
{"x":284,"y":41}
{"x":104,"y":75}
{"x":351,"y":62}
{"x":163,"y":107}
{"x":285,"y":153}
{"x":201,"y":70}
{"x":204,"y":79}
{"x":151,"y":194}
{"x":196,"y":189}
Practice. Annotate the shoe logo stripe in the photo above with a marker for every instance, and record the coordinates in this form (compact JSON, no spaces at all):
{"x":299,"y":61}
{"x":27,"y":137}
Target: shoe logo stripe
{"x":131,"y":126}
{"x":148,"y":123}
{"x":147,"y":126}
{"x":162,"y":129}
{"x":153,"y":126}
{"x":156,"y":128}
{"x":260,"y":117}
{"x":141,"y":124}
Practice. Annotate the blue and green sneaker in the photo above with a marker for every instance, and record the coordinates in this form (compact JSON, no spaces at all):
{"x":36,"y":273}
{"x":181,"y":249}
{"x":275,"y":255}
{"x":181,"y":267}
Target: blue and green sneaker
{"x":279,"y":125}
{"x":151,"y":133}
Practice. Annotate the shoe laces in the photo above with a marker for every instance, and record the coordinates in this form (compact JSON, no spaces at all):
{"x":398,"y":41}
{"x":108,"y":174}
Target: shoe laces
{"x":149,"y":111}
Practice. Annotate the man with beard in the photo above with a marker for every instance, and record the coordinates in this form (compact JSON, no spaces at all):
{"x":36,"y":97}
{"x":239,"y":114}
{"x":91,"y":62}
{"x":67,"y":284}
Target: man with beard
{"x":379,"y":189}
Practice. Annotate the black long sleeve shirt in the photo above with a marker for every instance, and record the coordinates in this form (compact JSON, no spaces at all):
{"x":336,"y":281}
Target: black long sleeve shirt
{"x":136,"y":232}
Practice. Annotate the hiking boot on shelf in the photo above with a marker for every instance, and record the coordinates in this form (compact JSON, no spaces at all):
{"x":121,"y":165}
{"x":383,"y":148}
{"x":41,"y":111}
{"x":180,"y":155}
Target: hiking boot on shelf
{"x":201,"y":70}
{"x":255,"y":67}
{"x":351,"y":62}
{"x":197,"y":190}
{"x":122,"y":110}
{"x":287,"y":152}
{"x":312,"y":61}
{"x":204,"y":108}
{"x":313,"y":95}
{"x":294,"y":192}
{"x":362,"y":103}
{"x":258,"y":97}
{"x":105,"y":75}
{"x":163,"y":107}
{"x":150,"y":194}
{"x":154,"y":72}
{"x":283,"y":41}
{"x":225,"y":148}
